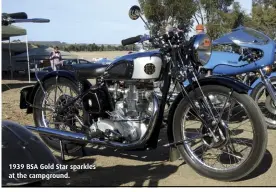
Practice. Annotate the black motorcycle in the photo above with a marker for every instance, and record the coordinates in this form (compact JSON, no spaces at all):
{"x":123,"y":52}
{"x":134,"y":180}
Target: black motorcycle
{"x":121,"y":110}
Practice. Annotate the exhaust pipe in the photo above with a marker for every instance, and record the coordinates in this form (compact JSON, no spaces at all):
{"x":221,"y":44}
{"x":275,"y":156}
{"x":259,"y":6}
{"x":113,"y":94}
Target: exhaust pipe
{"x":74,"y":137}
{"x":69,"y":136}
{"x":66,"y":135}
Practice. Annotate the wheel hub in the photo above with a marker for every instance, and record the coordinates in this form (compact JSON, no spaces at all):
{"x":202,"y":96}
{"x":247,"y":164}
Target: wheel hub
{"x":219,"y":138}
{"x":68,"y":115}
{"x":270,"y":105}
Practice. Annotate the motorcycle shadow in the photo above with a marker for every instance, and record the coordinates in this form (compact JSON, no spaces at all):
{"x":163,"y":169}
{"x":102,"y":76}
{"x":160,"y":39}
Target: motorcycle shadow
{"x":262,"y":168}
{"x":117,"y":175}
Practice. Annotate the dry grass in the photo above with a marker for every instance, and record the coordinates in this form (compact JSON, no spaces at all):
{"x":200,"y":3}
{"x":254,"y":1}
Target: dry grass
{"x":100,"y":54}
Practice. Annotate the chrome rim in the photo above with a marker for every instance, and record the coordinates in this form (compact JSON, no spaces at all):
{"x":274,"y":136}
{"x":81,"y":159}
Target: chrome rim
{"x":229,"y":155}
{"x":266,"y":105}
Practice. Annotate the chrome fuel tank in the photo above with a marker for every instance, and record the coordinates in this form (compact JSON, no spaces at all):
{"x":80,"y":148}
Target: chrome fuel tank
{"x":135,"y":66}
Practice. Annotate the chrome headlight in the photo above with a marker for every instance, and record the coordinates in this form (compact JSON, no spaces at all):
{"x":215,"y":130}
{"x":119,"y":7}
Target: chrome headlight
{"x":267,"y":70}
{"x":202,"y":48}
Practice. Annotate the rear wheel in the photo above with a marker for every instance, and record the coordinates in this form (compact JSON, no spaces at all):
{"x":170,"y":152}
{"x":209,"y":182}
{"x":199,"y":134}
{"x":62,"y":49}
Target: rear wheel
{"x":239,"y":148}
{"x":59,"y":94}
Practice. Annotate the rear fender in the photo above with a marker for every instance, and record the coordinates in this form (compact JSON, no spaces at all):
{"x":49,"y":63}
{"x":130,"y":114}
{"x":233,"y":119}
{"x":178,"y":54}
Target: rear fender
{"x":213,"y":80}
{"x":28,"y":93}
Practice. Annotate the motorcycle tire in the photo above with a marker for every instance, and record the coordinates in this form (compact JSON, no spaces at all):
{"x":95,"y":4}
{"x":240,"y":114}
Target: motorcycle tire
{"x":256,"y":90}
{"x":37,"y":115}
{"x":259,"y":132}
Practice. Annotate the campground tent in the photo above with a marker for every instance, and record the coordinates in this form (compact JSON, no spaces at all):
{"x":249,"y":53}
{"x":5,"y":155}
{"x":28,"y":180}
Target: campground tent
{"x":7,"y":33}
{"x":12,"y":31}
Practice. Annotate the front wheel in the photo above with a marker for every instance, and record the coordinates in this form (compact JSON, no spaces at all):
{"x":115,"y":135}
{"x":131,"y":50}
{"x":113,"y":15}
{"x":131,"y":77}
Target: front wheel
{"x":265,"y":102}
{"x":229,"y":151}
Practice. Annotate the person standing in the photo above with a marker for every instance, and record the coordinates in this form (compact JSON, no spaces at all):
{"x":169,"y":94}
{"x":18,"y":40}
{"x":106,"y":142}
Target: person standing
{"x":55,"y":59}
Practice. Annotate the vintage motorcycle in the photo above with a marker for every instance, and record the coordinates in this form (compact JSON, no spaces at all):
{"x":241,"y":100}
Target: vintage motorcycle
{"x":249,"y":59}
{"x":70,"y":112}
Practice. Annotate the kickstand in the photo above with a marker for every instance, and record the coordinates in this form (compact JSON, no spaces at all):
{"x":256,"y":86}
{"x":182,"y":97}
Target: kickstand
{"x":83,"y":151}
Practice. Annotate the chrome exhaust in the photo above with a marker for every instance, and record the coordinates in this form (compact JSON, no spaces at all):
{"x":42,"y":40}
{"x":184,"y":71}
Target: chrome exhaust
{"x":69,"y":136}
{"x":75,"y":137}
{"x":66,"y":135}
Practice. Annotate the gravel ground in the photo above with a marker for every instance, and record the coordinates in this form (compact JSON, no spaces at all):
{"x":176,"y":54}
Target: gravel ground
{"x":126,"y":168}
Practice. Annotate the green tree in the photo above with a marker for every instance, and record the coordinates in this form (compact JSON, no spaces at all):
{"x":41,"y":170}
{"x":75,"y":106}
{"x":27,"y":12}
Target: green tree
{"x":162,"y":13}
{"x":266,"y":3}
{"x":218,"y":16}
{"x":263,"y":17}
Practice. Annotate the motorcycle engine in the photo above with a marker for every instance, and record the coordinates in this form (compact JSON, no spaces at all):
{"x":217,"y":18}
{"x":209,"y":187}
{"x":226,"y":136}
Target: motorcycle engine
{"x":133,"y":110}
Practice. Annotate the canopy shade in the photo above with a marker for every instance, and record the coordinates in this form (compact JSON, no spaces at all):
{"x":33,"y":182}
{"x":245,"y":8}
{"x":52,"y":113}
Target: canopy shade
{"x":12,"y":31}
{"x":43,"y":53}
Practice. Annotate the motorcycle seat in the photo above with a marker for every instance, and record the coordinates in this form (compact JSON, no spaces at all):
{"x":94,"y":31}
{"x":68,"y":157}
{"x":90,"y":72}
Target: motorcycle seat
{"x":88,"y":70}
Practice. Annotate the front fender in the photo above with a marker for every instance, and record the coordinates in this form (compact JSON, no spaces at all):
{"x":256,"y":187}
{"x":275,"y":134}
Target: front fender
{"x":219,"y":80}
{"x":259,"y":80}
{"x":30,"y":93}
{"x":212,"y":80}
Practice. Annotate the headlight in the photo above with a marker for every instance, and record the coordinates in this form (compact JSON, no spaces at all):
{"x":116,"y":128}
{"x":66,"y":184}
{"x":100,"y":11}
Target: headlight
{"x":202,"y":48}
{"x":267,"y":70}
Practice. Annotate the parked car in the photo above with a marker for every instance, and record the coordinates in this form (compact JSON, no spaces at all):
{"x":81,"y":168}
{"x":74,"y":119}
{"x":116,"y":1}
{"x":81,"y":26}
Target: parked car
{"x":68,"y":63}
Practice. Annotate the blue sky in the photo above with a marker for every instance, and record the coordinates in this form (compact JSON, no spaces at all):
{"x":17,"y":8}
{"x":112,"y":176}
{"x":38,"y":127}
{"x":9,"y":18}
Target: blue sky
{"x":81,"y":21}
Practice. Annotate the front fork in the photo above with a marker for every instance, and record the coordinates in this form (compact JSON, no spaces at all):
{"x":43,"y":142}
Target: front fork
{"x":270,"y":88}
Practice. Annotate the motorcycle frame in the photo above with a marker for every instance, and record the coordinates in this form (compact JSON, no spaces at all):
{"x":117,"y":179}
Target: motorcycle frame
{"x":152,"y":138}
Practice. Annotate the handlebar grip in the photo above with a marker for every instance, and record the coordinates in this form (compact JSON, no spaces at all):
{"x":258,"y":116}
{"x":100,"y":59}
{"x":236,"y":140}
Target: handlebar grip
{"x":37,"y":20}
{"x":131,"y":40}
{"x":18,"y":15}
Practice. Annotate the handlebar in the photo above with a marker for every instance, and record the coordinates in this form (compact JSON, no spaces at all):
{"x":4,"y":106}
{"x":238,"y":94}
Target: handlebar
{"x":136,"y":39}
{"x":174,"y":37}
{"x":131,"y":40}
{"x":34,"y":20}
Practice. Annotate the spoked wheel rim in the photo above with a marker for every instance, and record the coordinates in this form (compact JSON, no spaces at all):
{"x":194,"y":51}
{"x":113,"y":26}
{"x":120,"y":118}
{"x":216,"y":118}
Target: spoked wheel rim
{"x":58,"y":96}
{"x":266,"y":104}
{"x":229,"y":154}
